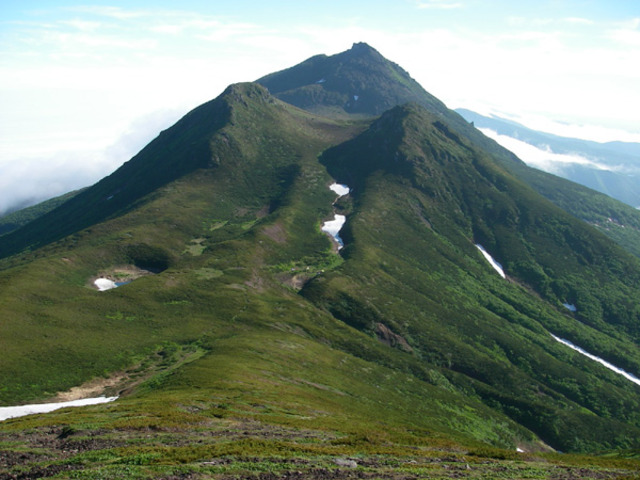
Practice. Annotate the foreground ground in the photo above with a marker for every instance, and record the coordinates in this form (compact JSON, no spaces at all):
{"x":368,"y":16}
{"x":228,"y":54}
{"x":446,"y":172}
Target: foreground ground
{"x":227,"y":447}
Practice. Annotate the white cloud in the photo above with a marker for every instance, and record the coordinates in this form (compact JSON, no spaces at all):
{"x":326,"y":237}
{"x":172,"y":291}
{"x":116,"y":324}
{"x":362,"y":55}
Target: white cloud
{"x":594,"y":133}
{"x":84,"y":25}
{"x":75,"y":162}
{"x":544,"y":158}
{"x":438,"y":4}
{"x":579,"y":20}
{"x":627,"y":34}
{"x":77,"y":81}
{"x":110,"y":12}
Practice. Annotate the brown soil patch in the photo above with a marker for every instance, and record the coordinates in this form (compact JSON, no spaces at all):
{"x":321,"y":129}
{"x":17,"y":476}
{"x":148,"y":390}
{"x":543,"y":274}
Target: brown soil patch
{"x":118,"y":383}
{"x":275,"y":232}
{"x":92,"y":388}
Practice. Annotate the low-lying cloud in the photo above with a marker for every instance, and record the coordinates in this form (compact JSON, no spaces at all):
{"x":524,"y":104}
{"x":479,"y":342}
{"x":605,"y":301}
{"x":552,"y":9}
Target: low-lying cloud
{"x":545,"y":159}
{"x":30,"y":180}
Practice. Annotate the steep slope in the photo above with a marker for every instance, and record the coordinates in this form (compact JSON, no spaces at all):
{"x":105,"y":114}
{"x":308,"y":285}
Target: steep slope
{"x":162,"y":161}
{"x":264,"y":153}
{"x":359,"y":81}
{"x":14,"y":220}
{"x":614,"y":172}
{"x":248,"y":335}
{"x":327,"y":84}
{"x":421,"y":197}
{"x":220,"y":330}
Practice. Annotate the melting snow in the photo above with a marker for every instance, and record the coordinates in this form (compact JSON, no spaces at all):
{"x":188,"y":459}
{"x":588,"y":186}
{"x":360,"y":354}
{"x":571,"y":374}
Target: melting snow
{"x":497,"y":267}
{"x":339,"y":189}
{"x":104,"y":284}
{"x":22,"y":410}
{"x":627,"y":375}
{"x":570,"y":306}
{"x":332,"y":227}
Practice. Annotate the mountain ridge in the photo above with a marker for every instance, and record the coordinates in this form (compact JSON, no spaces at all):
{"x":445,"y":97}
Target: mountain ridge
{"x":578,"y":200}
{"x":614,"y":173}
{"x":249,"y":335}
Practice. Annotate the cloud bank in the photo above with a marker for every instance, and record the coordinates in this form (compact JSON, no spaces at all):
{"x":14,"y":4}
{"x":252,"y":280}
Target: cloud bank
{"x":29,"y":180}
{"x":545,"y":159}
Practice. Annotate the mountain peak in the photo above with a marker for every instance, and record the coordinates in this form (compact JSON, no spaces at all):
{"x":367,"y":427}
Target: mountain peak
{"x":359,"y":81}
{"x":362,"y":49}
{"x":250,"y":90}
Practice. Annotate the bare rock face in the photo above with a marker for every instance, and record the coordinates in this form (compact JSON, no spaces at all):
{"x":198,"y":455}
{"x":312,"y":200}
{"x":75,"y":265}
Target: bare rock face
{"x":388,"y":337}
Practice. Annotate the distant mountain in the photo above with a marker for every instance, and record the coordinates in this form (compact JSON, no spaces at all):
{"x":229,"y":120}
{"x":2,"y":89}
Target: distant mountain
{"x":614,"y":168}
{"x":248,"y":343}
{"x":357,"y":81}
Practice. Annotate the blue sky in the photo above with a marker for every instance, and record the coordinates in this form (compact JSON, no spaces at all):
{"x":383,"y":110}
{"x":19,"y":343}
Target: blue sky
{"x":84,"y":85}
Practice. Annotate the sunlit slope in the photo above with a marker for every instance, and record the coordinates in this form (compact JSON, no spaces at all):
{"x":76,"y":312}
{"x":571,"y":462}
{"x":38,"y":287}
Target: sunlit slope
{"x":247,"y":310}
{"x":57,"y":330}
{"x":220,"y":326}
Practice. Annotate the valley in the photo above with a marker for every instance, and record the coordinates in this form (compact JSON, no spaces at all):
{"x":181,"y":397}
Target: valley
{"x":252,"y":344}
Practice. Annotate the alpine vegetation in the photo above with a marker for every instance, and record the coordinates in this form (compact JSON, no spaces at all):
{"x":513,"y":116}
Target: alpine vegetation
{"x":242,"y":343}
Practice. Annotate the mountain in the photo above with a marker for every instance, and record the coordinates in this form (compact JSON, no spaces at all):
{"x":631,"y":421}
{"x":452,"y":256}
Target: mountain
{"x":359,"y":81}
{"x":328,"y":84}
{"x":612,"y":168}
{"x":243,"y":342}
{"x":16,"y":219}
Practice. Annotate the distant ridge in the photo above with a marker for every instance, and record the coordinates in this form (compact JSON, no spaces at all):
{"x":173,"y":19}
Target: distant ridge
{"x":616,"y":165}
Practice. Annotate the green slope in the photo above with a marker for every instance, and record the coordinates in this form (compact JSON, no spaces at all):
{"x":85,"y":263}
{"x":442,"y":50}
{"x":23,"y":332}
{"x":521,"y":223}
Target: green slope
{"x":14,"y":220}
{"x":381,"y":84}
{"x":421,"y":198}
{"x":251,"y":340}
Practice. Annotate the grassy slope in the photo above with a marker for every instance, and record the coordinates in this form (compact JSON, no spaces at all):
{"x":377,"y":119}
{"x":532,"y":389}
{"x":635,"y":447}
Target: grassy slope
{"x":273,"y":379}
{"x":618,"y":221}
{"x":412,"y":266}
{"x":19,"y":218}
{"x":381,"y":85}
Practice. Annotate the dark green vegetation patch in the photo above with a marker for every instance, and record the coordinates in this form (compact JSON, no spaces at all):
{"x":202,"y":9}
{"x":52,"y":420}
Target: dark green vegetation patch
{"x":257,"y":350}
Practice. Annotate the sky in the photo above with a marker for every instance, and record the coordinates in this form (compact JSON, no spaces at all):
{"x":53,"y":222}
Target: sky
{"x":84,"y":85}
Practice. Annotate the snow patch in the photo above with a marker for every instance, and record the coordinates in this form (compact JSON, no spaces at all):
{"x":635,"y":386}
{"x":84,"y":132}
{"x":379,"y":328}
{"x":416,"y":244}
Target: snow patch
{"x":496,"y":266}
{"x":570,"y":306}
{"x":355,"y":97}
{"x":22,"y":410}
{"x":332,"y":227}
{"x":104,"y":284}
{"x":339,"y":189}
{"x":610,"y":366}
